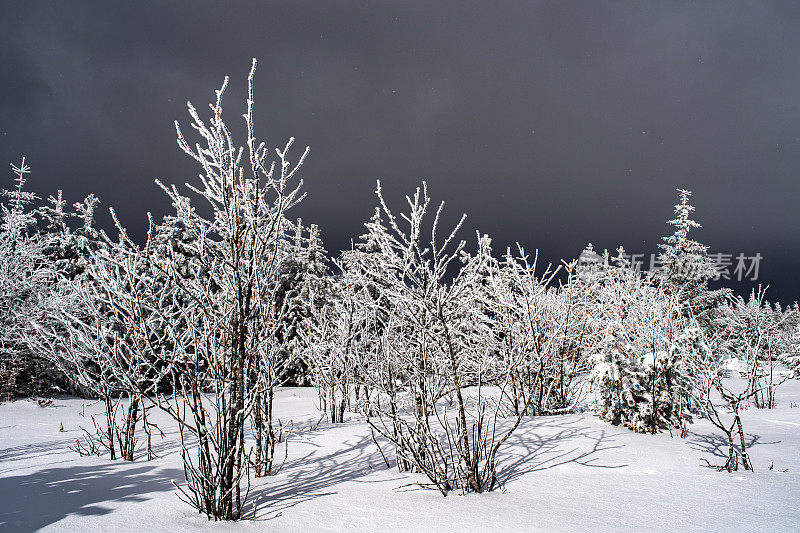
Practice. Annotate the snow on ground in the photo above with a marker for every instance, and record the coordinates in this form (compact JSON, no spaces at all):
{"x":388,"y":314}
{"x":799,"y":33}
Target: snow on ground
{"x":562,"y":473}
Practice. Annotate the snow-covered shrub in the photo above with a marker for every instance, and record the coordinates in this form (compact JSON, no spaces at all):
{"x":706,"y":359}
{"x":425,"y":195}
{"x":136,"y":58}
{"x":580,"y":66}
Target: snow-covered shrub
{"x":433,"y":348}
{"x":710,"y":366}
{"x":540,"y":328}
{"x":754,"y":333}
{"x":646,"y":393}
{"x":218,"y":310}
{"x":338,"y":336}
{"x":94,"y":335}
{"x":639,"y":370}
{"x":616,"y":377}
{"x":198,"y":320}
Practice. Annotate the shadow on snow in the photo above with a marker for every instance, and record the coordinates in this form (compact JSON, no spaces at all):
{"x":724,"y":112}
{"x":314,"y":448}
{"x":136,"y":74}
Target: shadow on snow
{"x":35,"y":500}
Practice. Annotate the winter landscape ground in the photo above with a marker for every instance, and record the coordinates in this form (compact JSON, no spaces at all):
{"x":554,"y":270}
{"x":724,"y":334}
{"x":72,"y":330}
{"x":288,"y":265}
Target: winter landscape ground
{"x":561,"y":473}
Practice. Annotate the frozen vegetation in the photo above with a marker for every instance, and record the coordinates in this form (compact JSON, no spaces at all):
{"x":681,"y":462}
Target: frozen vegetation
{"x":229,"y":372}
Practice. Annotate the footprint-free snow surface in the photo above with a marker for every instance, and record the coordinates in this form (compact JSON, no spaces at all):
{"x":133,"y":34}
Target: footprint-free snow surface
{"x":560,"y":473}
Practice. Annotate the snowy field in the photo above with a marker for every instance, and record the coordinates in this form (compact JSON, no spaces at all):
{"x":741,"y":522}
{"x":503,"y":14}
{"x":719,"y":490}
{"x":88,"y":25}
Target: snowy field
{"x":562,"y":473}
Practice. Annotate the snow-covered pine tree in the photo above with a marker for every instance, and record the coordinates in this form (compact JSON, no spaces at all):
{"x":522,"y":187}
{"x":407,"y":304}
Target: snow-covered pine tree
{"x":28,"y":284}
{"x":639,"y":372}
{"x":67,"y":248}
{"x":48,"y":256}
{"x":617,"y":381}
{"x":686,"y":267}
{"x":302,"y":288}
{"x":790,"y":339}
{"x":667,"y":379}
{"x":792,"y":357}
{"x":19,"y":283}
{"x":590,"y":266}
{"x":18,"y":219}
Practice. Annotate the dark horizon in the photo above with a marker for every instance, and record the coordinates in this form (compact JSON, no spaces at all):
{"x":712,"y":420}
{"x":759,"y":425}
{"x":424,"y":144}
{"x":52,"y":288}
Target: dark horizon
{"x":550,"y":124}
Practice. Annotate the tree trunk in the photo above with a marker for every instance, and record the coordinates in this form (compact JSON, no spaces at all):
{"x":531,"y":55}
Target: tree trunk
{"x":258,"y":429}
{"x":745,"y":458}
{"x":110,"y":425}
{"x":472,"y":479}
{"x":129,"y":437}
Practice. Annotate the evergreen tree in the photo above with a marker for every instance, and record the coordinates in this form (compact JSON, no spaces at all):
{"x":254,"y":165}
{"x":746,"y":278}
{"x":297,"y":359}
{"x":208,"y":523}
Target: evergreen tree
{"x":639,"y":368}
{"x":27,"y":284}
{"x":303,"y":287}
{"x":69,"y":250}
{"x":686,"y":267}
{"x":591,"y":266}
{"x":792,"y":358}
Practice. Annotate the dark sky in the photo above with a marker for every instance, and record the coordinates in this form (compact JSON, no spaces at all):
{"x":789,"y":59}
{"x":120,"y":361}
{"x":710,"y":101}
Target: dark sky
{"x":550,"y":123}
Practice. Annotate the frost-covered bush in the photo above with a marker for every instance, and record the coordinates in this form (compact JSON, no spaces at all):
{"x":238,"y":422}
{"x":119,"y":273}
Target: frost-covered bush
{"x":541,"y":329}
{"x":434,"y":348}
{"x":755,"y":334}
{"x":225,"y":348}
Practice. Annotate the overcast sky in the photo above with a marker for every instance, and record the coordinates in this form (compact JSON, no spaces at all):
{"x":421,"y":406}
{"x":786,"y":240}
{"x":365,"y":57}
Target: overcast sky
{"x":553,"y":124}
